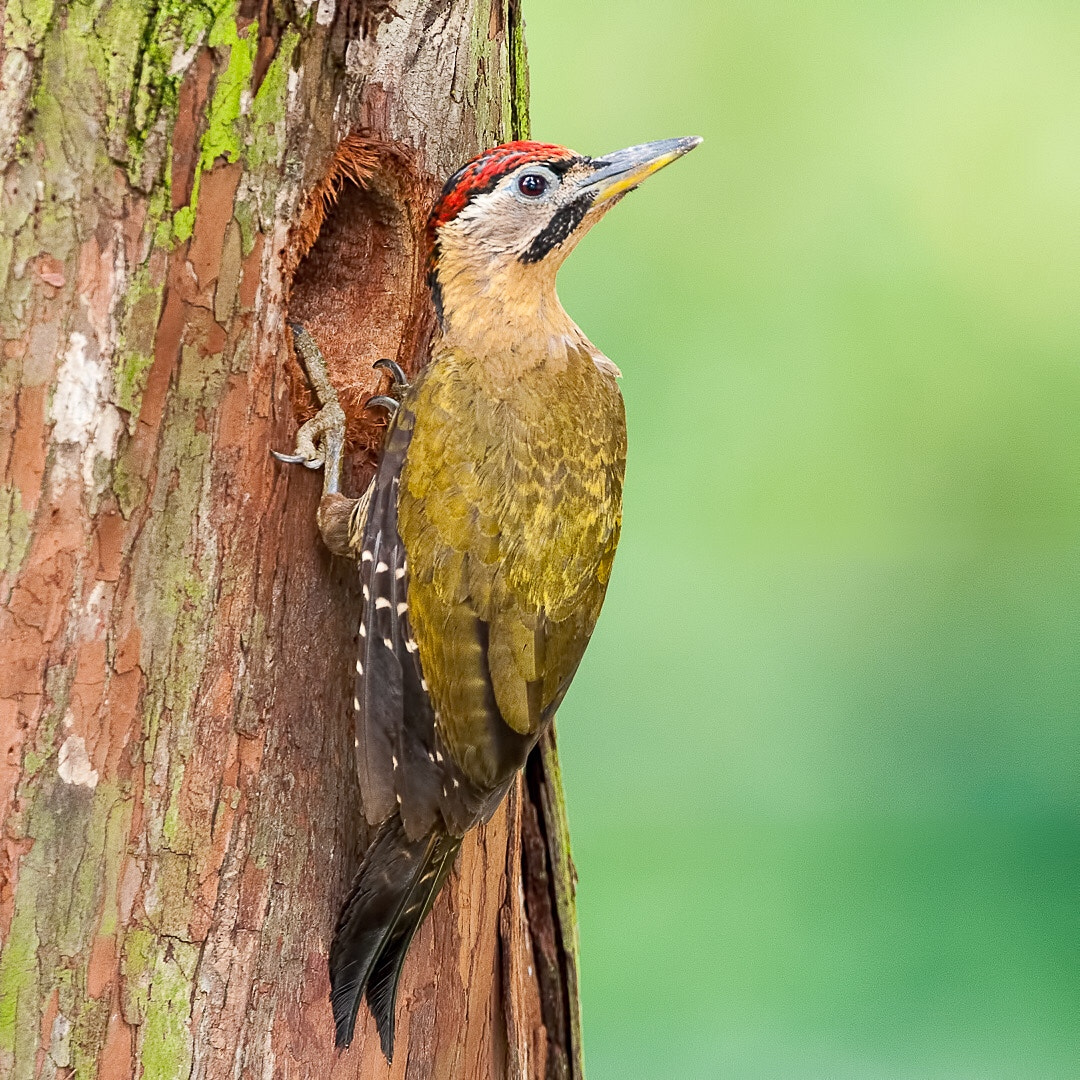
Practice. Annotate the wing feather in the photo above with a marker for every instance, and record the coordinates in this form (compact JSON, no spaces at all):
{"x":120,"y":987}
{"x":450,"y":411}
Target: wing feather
{"x":511,"y":520}
{"x":403,"y":763}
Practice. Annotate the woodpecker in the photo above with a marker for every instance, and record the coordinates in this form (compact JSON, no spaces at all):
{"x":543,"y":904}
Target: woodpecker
{"x":485,"y":540}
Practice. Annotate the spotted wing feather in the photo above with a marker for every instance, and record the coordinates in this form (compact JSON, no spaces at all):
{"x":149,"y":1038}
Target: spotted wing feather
{"x":403,"y":764}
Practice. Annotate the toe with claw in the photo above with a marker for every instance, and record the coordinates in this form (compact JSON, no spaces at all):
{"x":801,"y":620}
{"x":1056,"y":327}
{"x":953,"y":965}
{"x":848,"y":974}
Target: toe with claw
{"x":400,"y":385}
{"x":388,"y":403}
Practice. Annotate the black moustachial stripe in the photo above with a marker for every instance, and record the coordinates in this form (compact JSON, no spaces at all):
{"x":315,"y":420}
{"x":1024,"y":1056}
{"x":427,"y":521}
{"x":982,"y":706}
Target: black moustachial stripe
{"x":565,"y":220}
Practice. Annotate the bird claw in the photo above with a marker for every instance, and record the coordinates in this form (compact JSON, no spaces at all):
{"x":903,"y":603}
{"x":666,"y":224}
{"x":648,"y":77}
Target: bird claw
{"x":388,"y":403}
{"x":400,"y":385}
{"x":322,"y":437}
{"x":297,"y":459}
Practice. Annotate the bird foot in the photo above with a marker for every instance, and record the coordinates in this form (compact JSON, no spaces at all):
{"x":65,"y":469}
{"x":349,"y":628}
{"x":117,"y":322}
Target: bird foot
{"x":320,"y":443}
{"x":400,"y":385}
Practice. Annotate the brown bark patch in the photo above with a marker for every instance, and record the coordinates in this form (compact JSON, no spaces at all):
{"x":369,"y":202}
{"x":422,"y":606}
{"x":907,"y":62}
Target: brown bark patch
{"x":217,"y":194}
{"x":185,"y":145}
{"x":28,"y":445}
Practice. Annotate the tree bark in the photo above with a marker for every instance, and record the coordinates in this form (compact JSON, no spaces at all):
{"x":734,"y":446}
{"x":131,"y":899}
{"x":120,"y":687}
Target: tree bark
{"x":179,"y":813}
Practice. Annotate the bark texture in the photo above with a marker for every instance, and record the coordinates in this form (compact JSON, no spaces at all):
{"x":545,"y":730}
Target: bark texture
{"x":178,"y":806}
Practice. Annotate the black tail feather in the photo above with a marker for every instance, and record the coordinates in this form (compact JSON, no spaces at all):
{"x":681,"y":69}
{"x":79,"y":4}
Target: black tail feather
{"x":383,"y":979}
{"x":394,"y":890}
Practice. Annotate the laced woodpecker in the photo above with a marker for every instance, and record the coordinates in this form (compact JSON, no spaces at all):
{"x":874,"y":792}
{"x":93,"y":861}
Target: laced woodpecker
{"x":485,"y":540}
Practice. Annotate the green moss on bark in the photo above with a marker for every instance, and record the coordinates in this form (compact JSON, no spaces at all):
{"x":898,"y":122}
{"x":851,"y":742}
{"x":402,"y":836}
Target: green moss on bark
{"x":156,"y":995}
{"x":14,"y":530}
{"x":132,"y":371}
{"x":56,"y":914}
{"x":178,"y":568}
{"x":18,"y":984}
{"x":138,"y":320}
{"x":266,"y":144}
{"x":175,"y":31}
{"x":127,"y":483}
{"x":166,"y":1050}
{"x":136,"y":966}
{"x":519,"y":73}
{"x":223,"y":136}
{"x":87,"y":1037}
{"x":26,"y":22}
{"x":117,"y":829}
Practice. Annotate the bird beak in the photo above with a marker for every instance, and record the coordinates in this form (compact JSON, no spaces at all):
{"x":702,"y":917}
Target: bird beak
{"x":620,"y":172}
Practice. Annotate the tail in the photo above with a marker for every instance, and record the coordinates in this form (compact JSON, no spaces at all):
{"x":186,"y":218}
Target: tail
{"x":394,"y":889}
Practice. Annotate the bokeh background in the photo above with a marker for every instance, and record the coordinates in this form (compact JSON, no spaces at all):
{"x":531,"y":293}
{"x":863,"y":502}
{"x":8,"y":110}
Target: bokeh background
{"x":823,"y":756}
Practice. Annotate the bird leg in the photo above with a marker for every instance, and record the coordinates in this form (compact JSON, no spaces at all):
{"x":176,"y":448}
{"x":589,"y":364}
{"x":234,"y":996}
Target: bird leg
{"x":321,"y":443}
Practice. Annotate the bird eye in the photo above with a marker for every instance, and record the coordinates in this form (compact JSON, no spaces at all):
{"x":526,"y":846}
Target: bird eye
{"x":533,"y":185}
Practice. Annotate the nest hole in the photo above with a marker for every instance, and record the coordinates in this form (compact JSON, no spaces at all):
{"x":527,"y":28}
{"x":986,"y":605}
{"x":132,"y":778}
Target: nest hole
{"x":358,"y":283}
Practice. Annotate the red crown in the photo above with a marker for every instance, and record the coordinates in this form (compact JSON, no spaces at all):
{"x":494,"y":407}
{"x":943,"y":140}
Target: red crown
{"x":484,"y":172}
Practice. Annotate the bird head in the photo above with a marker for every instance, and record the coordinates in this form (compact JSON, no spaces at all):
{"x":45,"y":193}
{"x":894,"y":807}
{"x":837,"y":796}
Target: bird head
{"x":506,"y":221}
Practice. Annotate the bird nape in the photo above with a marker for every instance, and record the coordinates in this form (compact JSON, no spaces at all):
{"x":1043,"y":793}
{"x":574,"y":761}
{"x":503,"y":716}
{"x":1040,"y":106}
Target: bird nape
{"x":484,"y":542}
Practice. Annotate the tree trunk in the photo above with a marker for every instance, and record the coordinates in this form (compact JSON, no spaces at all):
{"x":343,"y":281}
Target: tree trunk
{"x":180,"y":813}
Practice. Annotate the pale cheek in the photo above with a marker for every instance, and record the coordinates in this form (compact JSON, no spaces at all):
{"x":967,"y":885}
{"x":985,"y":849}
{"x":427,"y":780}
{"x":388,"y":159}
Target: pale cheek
{"x":504,"y":225}
{"x":509,"y":232}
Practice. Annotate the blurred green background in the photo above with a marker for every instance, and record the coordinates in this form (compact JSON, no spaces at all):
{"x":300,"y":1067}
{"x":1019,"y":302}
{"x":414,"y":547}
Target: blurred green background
{"x":823,"y":756}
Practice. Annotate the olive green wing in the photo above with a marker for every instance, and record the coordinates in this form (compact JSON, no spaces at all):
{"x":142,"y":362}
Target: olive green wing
{"x":507,"y":570}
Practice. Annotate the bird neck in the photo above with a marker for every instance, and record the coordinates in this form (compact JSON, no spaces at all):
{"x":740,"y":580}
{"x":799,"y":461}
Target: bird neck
{"x":502,"y":309}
